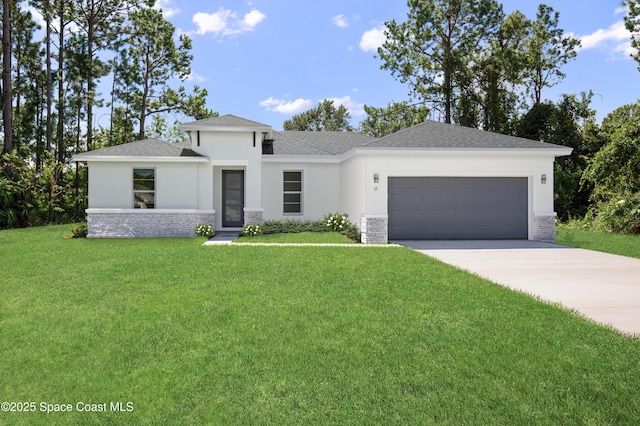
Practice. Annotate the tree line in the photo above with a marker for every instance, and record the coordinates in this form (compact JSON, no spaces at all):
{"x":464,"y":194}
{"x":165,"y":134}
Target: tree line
{"x":49,"y":95}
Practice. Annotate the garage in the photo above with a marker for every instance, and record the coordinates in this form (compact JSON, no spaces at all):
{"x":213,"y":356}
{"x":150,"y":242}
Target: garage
{"x":458,"y":208}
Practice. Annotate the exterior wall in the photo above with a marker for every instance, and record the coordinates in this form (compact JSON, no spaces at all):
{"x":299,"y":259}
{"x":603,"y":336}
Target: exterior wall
{"x":456,"y":163}
{"x":230,"y":150}
{"x":321,"y":187}
{"x":140,"y":223}
{"x":353,"y":188}
{"x":111,"y":185}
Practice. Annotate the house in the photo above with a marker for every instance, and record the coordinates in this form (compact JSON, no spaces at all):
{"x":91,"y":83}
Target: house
{"x":430,"y":181}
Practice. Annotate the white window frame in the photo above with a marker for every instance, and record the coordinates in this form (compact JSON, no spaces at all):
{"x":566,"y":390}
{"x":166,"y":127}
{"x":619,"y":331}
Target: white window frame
{"x":148,"y":191}
{"x":286,"y":192}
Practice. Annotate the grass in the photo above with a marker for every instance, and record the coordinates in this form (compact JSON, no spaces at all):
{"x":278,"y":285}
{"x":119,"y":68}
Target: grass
{"x":281,"y":335}
{"x":298,"y":238}
{"x":622,"y":244}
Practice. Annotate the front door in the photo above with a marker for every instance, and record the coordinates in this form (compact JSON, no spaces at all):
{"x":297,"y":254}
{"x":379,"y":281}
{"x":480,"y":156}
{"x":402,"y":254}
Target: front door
{"x":232,"y":198}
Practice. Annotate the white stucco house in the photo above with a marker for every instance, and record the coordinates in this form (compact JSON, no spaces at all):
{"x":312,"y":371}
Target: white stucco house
{"x":431,"y":181}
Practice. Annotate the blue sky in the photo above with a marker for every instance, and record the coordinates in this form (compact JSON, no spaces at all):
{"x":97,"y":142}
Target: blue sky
{"x":267,"y":60}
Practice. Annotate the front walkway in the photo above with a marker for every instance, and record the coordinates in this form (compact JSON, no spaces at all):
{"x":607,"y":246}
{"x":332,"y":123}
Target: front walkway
{"x":603,"y":287}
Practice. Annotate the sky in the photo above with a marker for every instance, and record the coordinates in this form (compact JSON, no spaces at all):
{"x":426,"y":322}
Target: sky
{"x":267,"y":60}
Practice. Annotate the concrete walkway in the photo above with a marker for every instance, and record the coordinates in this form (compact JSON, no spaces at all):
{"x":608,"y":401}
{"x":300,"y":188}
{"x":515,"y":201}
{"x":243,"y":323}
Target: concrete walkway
{"x":601,"y":286}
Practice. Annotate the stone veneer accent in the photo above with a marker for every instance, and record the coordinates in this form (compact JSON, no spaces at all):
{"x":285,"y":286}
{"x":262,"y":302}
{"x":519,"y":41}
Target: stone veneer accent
{"x":374,"y":229}
{"x":253,"y":217}
{"x":544,"y":228}
{"x":105,"y":223}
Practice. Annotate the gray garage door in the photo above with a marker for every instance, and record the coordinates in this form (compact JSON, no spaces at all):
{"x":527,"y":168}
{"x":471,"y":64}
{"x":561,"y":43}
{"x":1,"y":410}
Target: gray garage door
{"x":457,"y":208}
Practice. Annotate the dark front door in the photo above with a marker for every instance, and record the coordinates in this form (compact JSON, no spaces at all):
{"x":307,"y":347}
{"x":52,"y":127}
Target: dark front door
{"x":232,"y":198}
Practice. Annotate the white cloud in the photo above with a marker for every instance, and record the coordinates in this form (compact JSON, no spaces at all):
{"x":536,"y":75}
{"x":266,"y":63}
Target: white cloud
{"x":340,"y":21}
{"x":167,"y":7}
{"x":615,"y":39}
{"x":621,"y":9}
{"x":252,"y":19}
{"x":355,"y":108}
{"x":196,"y":78}
{"x":226,"y":22}
{"x":286,"y":107}
{"x":372,"y":39}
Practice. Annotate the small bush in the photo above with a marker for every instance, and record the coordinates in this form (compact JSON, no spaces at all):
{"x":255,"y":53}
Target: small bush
{"x":205,"y":230}
{"x":252,"y":230}
{"x":79,"y":232}
{"x":336,"y":222}
{"x":291,"y":226}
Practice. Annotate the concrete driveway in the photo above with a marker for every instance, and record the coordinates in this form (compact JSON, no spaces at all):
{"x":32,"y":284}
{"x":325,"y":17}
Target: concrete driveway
{"x":601,"y":286}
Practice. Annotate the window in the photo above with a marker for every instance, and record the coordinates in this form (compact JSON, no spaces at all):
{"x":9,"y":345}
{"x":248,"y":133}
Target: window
{"x":292,"y":194}
{"x":144,"y":188}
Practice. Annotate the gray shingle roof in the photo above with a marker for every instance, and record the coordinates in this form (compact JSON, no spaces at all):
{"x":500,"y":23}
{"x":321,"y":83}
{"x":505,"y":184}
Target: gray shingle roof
{"x":144,"y":148}
{"x":432,"y":134}
{"x":227,"y":120}
{"x":317,"y":143}
{"x":428,"y":135}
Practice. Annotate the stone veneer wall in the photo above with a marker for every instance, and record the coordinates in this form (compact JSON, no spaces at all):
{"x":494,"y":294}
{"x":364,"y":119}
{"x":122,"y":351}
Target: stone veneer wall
{"x":374,"y":229}
{"x":544,"y":228}
{"x":146,"y":223}
{"x":253,"y":217}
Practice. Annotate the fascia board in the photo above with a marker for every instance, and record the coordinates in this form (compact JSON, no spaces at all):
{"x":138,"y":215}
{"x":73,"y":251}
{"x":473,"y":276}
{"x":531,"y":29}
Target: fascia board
{"x":204,"y":127}
{"x":140,"y":159}
{"x":268,"y":158}
{"x":528,"y":152}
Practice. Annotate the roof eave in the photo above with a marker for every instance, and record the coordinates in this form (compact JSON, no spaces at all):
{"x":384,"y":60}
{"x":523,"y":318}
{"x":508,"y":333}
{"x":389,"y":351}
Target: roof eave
{"x":191,"y":127}
{"x":560,"y":151}
{"x":83,"y":158}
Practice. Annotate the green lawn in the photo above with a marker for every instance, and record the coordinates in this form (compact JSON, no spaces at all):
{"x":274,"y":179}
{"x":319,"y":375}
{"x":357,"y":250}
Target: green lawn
{"x":625,"y":245}
{"x":291,"y":335}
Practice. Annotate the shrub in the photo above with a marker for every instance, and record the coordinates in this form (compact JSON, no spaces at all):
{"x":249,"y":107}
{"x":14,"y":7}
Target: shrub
{"x":205,"y":230}
{"x":251,"y":230}
{"x":336,"y":221}
{"x":291,"y":226}
{"x":620,"y":214}
{"x":79,"y":232}
{"x":332,"y":222}
{"x":339,"y":222}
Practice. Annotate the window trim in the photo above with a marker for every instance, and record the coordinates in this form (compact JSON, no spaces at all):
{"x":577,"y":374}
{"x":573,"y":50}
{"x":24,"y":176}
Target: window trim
{"x":148,"y":191}
{"x":285,"y":192}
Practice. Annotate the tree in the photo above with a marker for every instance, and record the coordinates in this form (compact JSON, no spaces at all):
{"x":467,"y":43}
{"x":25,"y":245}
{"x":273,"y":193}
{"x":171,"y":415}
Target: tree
{"x":431,"y":51}
{"x":102,"y":23}
{"x":546,"y":50}
{"x":568,"y":123}
{"x":27,"y":76}
{"x":155,"y":59}
{"x":489,"y":96}
{"x":7,"y":97}
{"x":396,"y":116}
{"x":324,"y":117}
{"x":615,"y":169}
{"x":614,"y":172}
{"x":632,"y":22}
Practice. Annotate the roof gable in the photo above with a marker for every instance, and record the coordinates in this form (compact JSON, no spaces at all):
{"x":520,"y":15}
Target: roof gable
{"x":227,"y":121}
